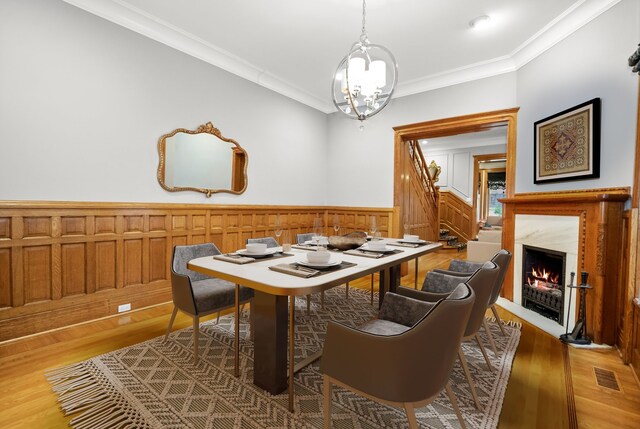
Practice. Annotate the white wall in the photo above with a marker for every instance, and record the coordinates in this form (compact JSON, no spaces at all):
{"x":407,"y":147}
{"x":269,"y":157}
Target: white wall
{"x":360,"y":163}
{"x":84,"y":101}
{"x":457,"y":167}
{"x":590,"y":63}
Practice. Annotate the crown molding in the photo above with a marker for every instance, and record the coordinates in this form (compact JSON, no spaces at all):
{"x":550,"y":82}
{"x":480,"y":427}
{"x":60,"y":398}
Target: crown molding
{"x":579,"y":14}
{"x":150,"y":26}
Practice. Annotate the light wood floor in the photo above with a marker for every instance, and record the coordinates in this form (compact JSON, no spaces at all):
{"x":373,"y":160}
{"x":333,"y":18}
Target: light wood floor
{"x":535,"y":398}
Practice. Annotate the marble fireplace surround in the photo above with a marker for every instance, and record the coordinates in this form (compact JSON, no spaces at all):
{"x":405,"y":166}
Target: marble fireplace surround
{"x":587,"y":226}
{"x":559,"y":233}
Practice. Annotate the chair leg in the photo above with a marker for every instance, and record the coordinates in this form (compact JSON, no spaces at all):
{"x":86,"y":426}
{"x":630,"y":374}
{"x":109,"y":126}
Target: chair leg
{"x":308,"y":305}
{"x":411,"y":415}
{"x":490,"y":337}
{"x":236,"y":367}
{"x":347,"y":290}
{"x":218,"y":318}
{"x":196,"y":332}
{"x":327,"y":401}
{"x":472,"y":385}
{"x":251,"y":327}
{"x":173,"y":318}
{"x":454,"y":403}
{"x":498,"y":320}
{"x":371,"y":288}
{"x":484,"y":352}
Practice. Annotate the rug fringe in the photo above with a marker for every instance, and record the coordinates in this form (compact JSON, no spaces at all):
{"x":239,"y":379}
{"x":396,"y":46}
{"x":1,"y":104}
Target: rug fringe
{"x":78,"y":391}
{"x":511,"y":323}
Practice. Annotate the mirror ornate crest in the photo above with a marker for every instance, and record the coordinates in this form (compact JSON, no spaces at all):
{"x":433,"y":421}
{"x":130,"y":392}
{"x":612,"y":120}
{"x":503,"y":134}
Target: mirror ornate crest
{"x":202,"y":160}
{"x":434,"y":171}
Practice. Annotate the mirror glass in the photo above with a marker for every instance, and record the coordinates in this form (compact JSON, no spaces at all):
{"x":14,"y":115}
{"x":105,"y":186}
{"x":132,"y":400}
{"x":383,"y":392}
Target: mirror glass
{"x":201,"y":160}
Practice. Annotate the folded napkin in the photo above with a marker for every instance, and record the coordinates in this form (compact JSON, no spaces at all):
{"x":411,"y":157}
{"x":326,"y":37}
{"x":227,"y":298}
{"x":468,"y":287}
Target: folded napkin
{"x":304,"y":247}
{"x":365,"y":253}
{"x":295,"y":270}
{"x":412,"y":245}
{"x":233,"y":258}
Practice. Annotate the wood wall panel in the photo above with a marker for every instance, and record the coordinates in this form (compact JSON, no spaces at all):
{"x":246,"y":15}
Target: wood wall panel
{"x":74,"y":225}
{"x":5,"y":277}
{"x":456,"y":215}
{"x":37,"y":273}
{"x":105,"y":263}
{"x":5,"y":228}
{"x":132,"y":262}
{"x":73,"y":262}
{"x":37,"y":227}
{"x":73,"y":269}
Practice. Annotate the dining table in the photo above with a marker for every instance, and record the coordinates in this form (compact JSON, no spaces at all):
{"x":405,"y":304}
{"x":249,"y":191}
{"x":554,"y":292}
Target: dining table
{"x":273,"y":305}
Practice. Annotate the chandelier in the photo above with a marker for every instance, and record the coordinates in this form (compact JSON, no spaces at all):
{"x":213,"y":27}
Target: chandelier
{"x":365,"y":79}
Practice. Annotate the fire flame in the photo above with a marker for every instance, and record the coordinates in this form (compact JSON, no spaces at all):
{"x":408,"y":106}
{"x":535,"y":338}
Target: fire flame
{"x":542,"y":278}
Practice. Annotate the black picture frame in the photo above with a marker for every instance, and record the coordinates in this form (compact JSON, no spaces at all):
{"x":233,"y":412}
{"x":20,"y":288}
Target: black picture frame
{"x":566,"y":147}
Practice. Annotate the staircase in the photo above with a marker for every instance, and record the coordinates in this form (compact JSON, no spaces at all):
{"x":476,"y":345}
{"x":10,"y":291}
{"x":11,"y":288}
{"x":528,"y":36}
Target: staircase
{"x":451,"y":241}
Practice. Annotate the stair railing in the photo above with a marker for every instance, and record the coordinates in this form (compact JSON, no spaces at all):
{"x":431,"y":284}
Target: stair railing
{"x":423,"y":172}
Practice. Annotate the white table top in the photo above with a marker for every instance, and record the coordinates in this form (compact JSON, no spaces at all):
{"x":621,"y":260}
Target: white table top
{"x":258,"y":276}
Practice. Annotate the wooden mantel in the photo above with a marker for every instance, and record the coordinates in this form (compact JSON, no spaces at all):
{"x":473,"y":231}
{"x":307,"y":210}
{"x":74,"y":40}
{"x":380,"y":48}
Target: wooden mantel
{"x":599,"y":250}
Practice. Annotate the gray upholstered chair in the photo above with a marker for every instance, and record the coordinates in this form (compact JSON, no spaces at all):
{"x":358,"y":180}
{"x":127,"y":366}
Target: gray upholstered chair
{"x":501,"y":259}
{"x":439,"y":286}
{"x":416,"y":342}
{"x":301,"y":238}
{"x":197,"y":294}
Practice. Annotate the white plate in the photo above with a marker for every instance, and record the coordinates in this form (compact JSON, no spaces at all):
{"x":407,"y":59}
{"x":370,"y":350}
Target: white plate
{"x":331,"y":263}
{"x":412,"y":242}
{"x":366,"y":247}
{"x":269,"y":251}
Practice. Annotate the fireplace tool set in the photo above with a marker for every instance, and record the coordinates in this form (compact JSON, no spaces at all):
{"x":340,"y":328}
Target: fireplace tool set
{"x":579,"y":333}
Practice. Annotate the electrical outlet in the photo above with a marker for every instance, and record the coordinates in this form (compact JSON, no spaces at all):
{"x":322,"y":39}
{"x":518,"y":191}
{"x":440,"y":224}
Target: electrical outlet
{"x":124,"y":307}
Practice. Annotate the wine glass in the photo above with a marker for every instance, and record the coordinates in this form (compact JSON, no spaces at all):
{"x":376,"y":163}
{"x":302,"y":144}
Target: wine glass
{"x":317,"y":229}
{"x":278,"y":228}
{"x":336,"y":223}
{"x":373,"y":225}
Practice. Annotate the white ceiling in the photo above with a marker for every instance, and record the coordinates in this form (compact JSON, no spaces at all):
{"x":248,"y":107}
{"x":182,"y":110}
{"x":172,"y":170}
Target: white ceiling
{"x":492,"y":136}
{"x":294,"y":46}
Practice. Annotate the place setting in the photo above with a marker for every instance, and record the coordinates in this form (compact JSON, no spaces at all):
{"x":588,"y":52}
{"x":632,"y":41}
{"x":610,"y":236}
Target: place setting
{"x":313,"y":264}
{"x":373,"y":249}
{"x":251,"y":253}
{"x":409,"y":240}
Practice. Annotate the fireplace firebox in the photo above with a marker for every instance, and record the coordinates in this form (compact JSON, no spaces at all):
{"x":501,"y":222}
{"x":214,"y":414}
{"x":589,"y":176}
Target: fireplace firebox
{"x":543,"y":282}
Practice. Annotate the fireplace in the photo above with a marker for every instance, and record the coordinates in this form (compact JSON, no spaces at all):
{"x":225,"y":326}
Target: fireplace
{"x":542,"y":282}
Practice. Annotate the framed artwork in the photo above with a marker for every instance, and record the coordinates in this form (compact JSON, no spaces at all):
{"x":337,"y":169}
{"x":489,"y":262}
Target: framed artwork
{"x":566,"y":146}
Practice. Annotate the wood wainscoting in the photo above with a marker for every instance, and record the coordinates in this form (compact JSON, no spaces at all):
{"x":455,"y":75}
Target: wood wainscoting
{"x":599,"y":249}
{"x":456,"y":215}
{"x":65,"y":262}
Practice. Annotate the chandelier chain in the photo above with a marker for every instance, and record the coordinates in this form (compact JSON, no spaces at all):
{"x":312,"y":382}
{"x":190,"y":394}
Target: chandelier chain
{"x":364,"y":16}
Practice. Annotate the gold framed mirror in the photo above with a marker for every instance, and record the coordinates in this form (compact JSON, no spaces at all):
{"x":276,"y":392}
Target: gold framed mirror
{"x":434,"y":171}
{"x":202,"y":160}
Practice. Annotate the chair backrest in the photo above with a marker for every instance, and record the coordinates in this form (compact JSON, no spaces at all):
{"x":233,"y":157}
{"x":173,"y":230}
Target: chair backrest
{"x":301,"y":238}
{"x":502,"y":260}
{"x":269,"y":241}
{"x":183,"y":254}
{"x":421,"y":359}
{"x":482,"y":283}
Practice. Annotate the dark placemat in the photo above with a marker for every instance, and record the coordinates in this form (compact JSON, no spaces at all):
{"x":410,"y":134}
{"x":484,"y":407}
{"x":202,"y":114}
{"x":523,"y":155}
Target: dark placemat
{"x":371,"y":254}
{"x":308,"y":270}
{"x":410,"y":245}
{"x":241,"y":259}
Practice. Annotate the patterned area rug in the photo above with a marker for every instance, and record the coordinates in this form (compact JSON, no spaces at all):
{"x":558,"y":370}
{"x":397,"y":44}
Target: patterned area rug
{"x":156,"y":385}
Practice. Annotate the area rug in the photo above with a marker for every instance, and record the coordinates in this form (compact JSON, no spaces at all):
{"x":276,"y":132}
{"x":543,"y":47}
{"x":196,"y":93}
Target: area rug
{"x":156,"y":385}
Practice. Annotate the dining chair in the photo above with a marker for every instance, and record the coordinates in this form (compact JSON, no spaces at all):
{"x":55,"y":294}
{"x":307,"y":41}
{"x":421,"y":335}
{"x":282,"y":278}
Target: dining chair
{"x":416,"y":342}
{"x":502,"y":260}
{"x":199,"y":295}
{"x":438,"y":286}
